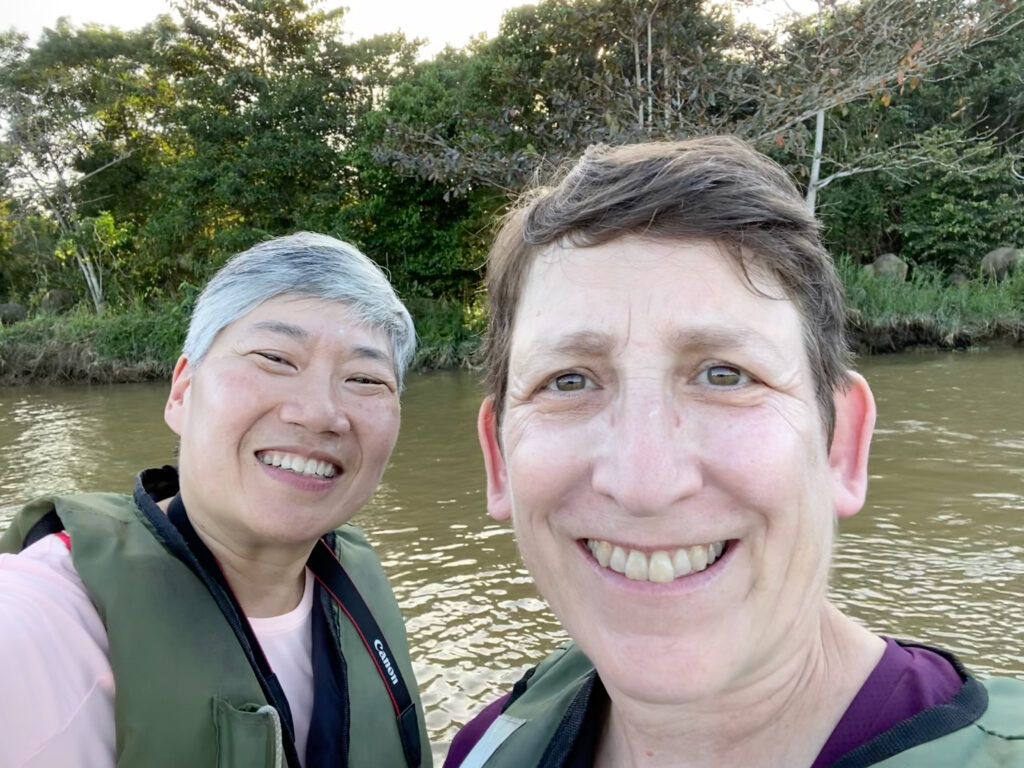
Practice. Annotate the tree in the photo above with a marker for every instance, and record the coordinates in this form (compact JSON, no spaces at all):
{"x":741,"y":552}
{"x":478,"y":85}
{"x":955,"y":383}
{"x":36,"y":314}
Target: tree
{"x":58,"y":135}
{"x":873,"y":49}
{"x":965,"y":203}
{"x":28,"y":246}
{"x":559,"y":76}
{"x":268,"y":95}
{"x":568,"y":73}
{"x":431,"y":243}
{"x":947,"y":145}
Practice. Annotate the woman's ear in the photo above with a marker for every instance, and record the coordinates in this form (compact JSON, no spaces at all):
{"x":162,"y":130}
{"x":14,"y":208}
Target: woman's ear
{"x":499,"y":499}
{"x":174,"y":409}
{"x":851,"y":443}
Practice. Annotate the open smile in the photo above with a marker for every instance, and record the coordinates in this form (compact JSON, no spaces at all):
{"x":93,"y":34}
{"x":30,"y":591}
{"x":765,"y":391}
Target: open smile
{"x":660,"y":566}
{"x":300,"y":465}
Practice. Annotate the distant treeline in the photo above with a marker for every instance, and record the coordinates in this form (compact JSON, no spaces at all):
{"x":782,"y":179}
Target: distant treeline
{"x":135,"y":162}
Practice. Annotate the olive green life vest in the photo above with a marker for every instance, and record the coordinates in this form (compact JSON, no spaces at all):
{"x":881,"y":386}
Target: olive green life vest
{"x":523,"y":734}
{"x":185,"y":693}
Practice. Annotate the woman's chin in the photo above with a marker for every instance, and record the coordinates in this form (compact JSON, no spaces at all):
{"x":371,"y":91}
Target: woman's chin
{"x":660,"y":671}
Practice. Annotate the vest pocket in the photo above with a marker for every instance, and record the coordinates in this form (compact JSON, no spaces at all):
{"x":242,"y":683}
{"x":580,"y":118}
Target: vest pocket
{"x":247,"y":737}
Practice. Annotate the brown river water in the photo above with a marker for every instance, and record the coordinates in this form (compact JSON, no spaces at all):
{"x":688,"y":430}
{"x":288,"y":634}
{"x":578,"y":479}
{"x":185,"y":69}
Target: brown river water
{"x":937,"y":555}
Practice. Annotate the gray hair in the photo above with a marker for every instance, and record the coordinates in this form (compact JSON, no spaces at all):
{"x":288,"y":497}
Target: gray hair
{"x":305,"y":265}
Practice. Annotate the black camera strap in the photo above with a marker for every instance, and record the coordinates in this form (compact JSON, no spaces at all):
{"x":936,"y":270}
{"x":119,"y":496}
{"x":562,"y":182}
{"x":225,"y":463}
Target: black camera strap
{"x":331,"y":575}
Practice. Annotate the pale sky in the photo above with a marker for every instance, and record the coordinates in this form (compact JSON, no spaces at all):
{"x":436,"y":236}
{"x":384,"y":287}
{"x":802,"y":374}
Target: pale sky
{"x":453,"y":22}
{"x":447,"y":21}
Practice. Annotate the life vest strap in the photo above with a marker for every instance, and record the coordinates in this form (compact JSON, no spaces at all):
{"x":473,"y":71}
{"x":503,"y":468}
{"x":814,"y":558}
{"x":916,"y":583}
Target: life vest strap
{"x":202,"y":562}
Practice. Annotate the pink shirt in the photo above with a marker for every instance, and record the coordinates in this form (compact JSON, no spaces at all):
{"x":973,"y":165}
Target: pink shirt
{"x":56,"y":685}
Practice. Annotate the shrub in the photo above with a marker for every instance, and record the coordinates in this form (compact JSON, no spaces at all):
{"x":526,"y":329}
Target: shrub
{"x":449,"y":333}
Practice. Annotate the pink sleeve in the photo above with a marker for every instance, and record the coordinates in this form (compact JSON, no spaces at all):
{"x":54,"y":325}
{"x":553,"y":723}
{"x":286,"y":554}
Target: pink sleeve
{"x":56,"y":687}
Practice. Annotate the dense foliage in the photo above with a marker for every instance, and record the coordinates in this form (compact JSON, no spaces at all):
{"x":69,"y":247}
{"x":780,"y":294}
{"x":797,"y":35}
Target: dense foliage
{"x":134,"y":162}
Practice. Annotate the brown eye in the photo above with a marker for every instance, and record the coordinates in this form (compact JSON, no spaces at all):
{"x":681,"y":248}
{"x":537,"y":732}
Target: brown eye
{"x":570,"y":382}
{"x":725,"y":376}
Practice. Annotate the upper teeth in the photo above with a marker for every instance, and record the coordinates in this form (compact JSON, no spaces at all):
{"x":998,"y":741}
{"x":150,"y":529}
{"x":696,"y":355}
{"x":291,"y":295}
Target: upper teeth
{"x":660,"y":566}
{"x":299,"y":464}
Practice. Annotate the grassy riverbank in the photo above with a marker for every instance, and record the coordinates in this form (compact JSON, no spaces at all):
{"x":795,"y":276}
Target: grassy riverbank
{"x":138,"y":344}
{"x":142,"y":343}
{"x":928,"y":312}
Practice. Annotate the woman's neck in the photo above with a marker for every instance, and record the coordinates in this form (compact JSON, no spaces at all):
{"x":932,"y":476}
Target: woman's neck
{"x":265,"y":581}
{"x":264,"y":589}
{"x":780,"y":720}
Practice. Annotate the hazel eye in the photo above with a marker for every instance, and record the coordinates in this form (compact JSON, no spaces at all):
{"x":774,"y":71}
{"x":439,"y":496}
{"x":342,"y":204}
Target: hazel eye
{"x":569,"y":382}
{"x":725,"y":376}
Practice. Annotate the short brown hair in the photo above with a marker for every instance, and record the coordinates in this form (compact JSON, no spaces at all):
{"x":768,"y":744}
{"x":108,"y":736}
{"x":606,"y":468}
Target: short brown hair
{"x":715,"y":188}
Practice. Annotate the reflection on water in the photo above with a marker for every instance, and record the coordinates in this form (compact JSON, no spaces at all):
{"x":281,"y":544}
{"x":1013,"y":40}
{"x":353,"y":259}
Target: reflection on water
{"x":60,"y":439}
{"x":937,"y":555}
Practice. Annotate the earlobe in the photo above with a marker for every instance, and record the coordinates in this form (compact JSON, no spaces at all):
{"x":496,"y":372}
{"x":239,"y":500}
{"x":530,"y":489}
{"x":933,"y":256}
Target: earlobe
{"x":181,"y":379}
{"x":499,"y":502}
{"x":851,"y":443}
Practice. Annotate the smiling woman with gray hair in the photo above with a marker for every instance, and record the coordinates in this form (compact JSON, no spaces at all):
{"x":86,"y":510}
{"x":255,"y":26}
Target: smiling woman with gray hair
{"x":226,"y":613}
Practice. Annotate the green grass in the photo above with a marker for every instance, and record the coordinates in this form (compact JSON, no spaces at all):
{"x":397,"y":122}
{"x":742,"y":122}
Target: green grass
{"x":926,"y":310}
{"x":135,"y":344}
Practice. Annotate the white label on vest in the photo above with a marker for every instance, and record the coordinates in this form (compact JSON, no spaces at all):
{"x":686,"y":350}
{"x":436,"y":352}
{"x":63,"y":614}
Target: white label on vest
{"x":503,"y":727}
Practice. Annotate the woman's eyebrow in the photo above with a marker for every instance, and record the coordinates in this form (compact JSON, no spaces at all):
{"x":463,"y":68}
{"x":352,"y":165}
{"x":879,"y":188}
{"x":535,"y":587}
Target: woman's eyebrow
{"x":700,"y":339}
{"x":686,"y":339}
{"x":371,"y":353}
{"x":290,"y":330}
{"x":575,"y":344}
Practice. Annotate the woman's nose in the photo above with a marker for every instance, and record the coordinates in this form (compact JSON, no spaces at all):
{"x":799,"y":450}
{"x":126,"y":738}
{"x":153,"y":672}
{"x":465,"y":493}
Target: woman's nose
{"x":317,"y":404}
{"x":649,"y":458}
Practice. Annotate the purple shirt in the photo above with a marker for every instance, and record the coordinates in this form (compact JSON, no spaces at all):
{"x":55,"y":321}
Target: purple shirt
{"x":906,"y":681}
